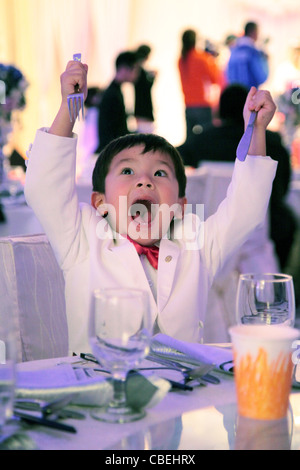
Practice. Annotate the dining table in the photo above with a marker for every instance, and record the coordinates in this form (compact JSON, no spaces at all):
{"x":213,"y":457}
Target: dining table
{"x":182,"y":422}
{"x":204,"y":418}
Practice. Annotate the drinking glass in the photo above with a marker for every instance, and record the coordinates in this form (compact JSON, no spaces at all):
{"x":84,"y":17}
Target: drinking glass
{"x":265,"y":299}
{"x":119,"y":335}
{"x":7,"y":370}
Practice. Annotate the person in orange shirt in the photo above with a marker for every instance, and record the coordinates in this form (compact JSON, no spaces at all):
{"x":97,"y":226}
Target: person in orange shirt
{"x":198,"y":71}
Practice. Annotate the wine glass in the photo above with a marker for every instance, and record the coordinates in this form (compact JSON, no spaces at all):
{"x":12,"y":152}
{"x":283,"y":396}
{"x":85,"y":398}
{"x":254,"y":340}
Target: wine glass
{"x":119,"y":335}
{"x":265,"y":299}
{"x":7,"y":371}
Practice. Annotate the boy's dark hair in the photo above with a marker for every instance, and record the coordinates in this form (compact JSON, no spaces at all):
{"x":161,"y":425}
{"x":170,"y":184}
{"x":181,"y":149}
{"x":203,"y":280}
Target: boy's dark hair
{"x":151,"y":142}
{"x":126,"y":59}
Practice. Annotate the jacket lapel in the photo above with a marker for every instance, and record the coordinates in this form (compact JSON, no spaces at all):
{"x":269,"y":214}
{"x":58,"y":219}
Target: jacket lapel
{"x":168,"y":257}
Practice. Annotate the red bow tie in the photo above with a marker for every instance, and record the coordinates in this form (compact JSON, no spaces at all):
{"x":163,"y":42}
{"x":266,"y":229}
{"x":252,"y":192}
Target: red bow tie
{"x":150,"y":251}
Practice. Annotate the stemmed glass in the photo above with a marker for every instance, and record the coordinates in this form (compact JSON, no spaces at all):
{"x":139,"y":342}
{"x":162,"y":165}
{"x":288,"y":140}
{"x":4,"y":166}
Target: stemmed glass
{"x":265,"y":299}
{"x":7,"y":371}
{"x":119,"y":334}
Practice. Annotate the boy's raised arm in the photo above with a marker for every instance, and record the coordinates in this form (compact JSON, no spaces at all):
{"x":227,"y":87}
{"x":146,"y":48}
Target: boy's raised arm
{"x":75,"y":73}
{"x":261,"y":102}
{"x":50,"y":178}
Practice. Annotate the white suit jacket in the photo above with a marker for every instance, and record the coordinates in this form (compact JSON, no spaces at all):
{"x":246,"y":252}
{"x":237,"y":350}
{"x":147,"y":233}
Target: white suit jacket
{"x":90,"y":259}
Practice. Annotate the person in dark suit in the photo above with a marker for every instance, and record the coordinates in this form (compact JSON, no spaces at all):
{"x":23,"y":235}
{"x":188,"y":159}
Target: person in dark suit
{"x":112,"y":120}
{"x":218,"y":142}
{"x":143,"y":107}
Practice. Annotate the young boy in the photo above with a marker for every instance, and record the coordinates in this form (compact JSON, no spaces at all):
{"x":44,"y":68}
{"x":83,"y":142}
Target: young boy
{"x":132,"y":175}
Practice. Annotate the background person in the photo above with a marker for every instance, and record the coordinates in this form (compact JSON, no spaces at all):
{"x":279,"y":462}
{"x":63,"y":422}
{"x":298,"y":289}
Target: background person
{"x":248,"y":65}
{"x":198,"y":71}
{"x":112,"y":119}
{"x":143,"y":106}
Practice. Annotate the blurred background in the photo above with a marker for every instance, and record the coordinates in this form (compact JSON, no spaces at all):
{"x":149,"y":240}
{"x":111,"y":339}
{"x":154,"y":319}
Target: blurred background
{"x":40,"y":36}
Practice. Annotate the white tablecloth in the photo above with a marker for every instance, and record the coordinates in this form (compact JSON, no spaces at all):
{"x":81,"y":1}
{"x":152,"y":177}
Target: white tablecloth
{"x":93,"y":434}
{"x":205,"y":418}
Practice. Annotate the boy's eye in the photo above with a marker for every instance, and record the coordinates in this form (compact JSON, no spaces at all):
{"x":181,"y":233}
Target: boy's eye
{"x":127,"y":171}
{"x":160,"y":173}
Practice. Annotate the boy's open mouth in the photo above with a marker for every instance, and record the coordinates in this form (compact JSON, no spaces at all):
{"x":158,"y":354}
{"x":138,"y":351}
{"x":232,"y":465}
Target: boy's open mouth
{"x":142,"y":211}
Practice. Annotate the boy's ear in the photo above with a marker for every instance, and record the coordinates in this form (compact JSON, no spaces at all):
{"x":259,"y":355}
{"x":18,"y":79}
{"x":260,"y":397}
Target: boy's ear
{"x":97,"y":199}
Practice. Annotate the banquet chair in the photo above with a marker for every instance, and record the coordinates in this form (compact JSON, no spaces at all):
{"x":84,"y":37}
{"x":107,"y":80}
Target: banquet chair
{"x":208,"y":185}
{"x":32,"y":293}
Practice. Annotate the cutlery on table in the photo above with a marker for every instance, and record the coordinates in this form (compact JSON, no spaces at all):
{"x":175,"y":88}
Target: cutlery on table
{"x":46,"y":407}
{"x":52,"y":408}
{"x":76,"y":100}
{"x":166,"y":352}
{"x":199,"y":373}
{"x":28,"y":418}
{"x":88,"y":357}
{"x":175,"y":385}
{"x":89,"y":372}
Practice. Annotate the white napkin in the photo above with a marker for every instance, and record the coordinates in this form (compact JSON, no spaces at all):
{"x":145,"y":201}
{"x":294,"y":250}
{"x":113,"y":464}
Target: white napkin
{"x":58,"y":381}
{"x":167,"y":346}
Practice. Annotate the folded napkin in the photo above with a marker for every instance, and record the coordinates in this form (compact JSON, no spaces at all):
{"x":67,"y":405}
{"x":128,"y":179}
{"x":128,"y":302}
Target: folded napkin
{"x":60,"y":380}
{"x":193,"y":353}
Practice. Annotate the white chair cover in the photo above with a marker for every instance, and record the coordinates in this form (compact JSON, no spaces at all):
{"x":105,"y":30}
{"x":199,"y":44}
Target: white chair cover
{"x":32,"y":292}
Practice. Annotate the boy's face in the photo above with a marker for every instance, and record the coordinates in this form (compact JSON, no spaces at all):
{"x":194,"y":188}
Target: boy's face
{"x":141,"y":194}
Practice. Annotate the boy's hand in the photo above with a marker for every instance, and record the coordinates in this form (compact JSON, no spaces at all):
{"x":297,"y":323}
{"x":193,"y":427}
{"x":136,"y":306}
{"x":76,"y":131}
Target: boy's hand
{"x":75,"y":73}
{"x":262,"y":102}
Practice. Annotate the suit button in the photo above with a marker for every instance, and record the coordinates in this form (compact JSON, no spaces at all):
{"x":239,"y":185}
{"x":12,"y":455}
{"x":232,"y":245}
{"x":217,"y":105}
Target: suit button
{"x":168,"y":259}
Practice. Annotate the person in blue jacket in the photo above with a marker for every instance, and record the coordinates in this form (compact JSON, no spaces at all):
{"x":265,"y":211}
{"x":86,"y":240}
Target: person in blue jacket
{"x":247,"y":65}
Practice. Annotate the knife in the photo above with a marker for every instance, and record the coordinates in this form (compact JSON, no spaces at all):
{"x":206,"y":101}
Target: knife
{"x":243,"y":147}
{"x":57,"y":405}
{"x":44,"y":422}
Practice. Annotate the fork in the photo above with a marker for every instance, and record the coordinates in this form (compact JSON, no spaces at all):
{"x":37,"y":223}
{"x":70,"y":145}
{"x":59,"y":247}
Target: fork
{"x":75,"y":100}
{"x":200,"y":373}
{"x":46,"y":407}
{"x":166,"y":352}
{"x":55,"y":408}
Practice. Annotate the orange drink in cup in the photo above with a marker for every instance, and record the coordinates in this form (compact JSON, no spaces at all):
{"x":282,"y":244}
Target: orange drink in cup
{"x":263,"y":369}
